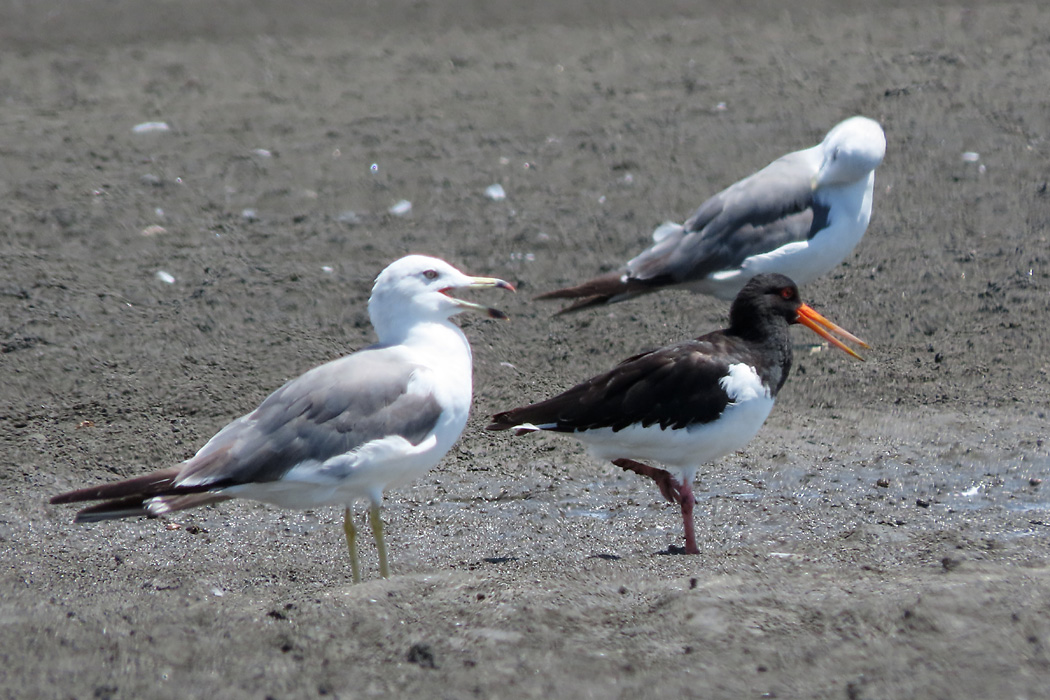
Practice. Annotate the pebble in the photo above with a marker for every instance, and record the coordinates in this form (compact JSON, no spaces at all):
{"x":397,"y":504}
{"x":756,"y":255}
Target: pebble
{"x":150,"y":128}
{"x":401,"y":208}
{"x":165,"y":277}
{"x":496,"y":192}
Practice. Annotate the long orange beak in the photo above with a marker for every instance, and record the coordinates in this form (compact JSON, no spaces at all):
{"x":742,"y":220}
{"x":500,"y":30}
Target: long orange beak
{"x":824,"y":328}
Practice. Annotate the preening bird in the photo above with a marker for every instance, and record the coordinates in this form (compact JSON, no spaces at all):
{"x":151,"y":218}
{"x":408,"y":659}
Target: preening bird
{"x":799,"y":216}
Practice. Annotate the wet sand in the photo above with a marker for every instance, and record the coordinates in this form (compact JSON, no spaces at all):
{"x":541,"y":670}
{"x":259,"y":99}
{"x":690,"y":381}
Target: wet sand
{"x":884,"y":536}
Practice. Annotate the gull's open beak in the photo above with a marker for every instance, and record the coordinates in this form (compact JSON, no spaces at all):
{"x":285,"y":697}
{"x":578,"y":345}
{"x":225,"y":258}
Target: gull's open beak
{"x":476,"y":283}
{"x":824,"y":328}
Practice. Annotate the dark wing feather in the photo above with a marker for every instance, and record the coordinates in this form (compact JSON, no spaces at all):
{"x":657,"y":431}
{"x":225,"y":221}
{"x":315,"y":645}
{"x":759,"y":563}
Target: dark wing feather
{"x":608,"y":288}
{"x":674,"y":387}
{"x":771,"y":208}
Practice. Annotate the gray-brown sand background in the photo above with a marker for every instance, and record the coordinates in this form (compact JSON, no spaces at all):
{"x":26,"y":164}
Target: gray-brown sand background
{"x":522,"y":567}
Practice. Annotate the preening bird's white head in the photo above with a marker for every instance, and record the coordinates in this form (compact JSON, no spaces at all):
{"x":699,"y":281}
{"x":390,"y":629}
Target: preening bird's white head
{"x":852,"y":149}
{"x":418,"y":288}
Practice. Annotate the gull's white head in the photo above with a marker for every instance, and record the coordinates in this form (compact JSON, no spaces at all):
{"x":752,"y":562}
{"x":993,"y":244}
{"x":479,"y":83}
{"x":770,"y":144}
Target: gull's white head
{"x":418,"y":288}
{"x":852,"y":149}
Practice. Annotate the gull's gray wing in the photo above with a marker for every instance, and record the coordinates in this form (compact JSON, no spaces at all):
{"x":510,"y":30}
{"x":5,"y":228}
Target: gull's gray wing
{"x":773,"y":207}
{"x":330,"y":410}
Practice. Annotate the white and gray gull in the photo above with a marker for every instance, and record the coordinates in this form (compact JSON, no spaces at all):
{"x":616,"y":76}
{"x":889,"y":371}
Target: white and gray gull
{"x":799,"y":216}
{"x":344,"y":431}
{"x":689,"y":403}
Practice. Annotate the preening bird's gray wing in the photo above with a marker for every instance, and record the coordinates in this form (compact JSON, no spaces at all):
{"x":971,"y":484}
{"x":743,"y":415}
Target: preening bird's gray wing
{"x":762,"y":212}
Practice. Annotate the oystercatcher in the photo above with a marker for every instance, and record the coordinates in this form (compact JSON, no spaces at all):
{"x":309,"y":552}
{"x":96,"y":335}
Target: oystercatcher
{"x":800,"y":216}
{"x":686,"y":404}
{"x":344,"y":431}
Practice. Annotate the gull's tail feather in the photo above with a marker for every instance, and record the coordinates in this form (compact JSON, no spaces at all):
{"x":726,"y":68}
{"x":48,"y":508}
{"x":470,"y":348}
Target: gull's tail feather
{"x":144,"y":506}
{"x":130,"y":507}
{"x":148,"y":495}
{"x":145,"y":486}
{"x":606,"y":289}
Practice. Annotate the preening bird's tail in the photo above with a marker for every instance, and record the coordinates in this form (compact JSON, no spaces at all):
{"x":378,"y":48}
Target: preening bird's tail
{"x":607,"y":289}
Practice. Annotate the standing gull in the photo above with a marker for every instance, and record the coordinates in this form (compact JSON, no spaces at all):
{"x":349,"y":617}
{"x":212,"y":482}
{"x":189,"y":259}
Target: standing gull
{"x":800,"y":216}
{"x":343,"y":431}
{"x":689,"y":403}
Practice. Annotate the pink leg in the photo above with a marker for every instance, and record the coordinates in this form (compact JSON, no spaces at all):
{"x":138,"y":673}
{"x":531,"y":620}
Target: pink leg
{"x":687,"y":500}
{"x":682,"y":494}
{"x":668,"y":487}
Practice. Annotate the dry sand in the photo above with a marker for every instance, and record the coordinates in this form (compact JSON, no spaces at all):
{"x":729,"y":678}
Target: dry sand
{"x":885,"y":535}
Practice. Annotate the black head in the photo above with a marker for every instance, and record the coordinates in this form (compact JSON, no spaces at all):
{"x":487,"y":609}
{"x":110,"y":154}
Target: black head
{"x":766,"y":299}
{"x":770,"y":302}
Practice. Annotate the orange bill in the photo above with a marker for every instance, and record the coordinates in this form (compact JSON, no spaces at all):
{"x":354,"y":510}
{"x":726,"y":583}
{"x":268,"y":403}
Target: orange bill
{"x":824,"y":328}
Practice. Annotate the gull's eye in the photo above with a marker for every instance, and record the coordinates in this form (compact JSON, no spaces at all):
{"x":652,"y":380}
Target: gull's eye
{"x":431,"y":274}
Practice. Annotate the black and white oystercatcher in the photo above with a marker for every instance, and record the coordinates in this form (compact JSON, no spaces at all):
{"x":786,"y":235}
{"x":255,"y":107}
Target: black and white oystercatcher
{"x":686,"y":404}
{"x":344,"y":431}
{"x":800,"y":216}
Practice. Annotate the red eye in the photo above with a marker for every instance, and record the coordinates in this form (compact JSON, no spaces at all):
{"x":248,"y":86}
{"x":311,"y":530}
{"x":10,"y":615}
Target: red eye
{"x":431,"y":274}
{"x":787,"y":293}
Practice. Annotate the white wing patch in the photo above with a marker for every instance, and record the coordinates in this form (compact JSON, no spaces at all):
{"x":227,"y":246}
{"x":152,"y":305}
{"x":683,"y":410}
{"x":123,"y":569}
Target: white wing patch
{"x":743,"y":384}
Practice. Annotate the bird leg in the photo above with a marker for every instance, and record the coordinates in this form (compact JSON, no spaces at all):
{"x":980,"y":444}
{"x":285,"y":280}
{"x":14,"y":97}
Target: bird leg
{"x":668,"y":487}
{"x":687,"y":500}
{"x":377,"y":531}
{"x":680,"y":493}
{"x":351,"y":543}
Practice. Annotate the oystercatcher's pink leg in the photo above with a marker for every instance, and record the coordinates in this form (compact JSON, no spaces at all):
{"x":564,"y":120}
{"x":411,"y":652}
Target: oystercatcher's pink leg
{"x":668,"y":486}
{"x":687,"y":500}
{"x":682,"y":494}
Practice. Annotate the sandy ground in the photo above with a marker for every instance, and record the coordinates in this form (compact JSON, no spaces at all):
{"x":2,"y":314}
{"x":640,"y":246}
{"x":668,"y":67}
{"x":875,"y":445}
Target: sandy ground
{"x":885,"y":535}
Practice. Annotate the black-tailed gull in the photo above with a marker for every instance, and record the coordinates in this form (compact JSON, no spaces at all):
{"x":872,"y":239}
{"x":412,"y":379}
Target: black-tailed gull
{"x":800,"y":216}
{"x":344,"y":431}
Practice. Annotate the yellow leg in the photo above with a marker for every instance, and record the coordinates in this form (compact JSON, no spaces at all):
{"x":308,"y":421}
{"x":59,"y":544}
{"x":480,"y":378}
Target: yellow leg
{"x":351,"y":543}
{"x":377,"y":531}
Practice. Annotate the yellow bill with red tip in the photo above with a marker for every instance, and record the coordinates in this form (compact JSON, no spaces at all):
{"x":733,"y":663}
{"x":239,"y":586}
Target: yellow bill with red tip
{"x":824,"y":328}
{"x":480,"y":282}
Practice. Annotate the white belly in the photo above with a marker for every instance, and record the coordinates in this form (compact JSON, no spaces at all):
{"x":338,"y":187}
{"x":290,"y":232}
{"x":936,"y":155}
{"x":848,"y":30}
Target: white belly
{"x":682,"y":451}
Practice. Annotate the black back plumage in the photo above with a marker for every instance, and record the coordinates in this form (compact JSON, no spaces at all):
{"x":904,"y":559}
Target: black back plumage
{"x":681,"y":384}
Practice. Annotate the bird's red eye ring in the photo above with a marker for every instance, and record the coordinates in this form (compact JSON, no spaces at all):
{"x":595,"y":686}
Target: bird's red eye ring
{"x":787,"y":293}
{"x":431,"y":274}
